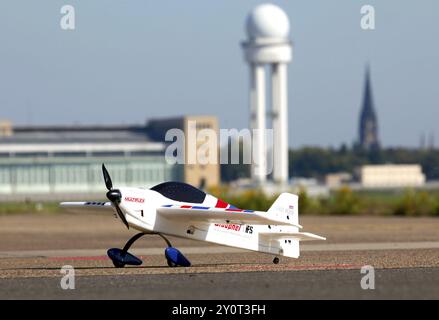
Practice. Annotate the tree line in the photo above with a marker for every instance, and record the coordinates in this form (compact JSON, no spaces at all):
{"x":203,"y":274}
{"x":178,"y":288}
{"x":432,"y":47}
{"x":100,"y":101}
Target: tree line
{"x":316,"y":162}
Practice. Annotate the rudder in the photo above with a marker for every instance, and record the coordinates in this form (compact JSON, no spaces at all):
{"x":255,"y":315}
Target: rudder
{"x":287,"y":204}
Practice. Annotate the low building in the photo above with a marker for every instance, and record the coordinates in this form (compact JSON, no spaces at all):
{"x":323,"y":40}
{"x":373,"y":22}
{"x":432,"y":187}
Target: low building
{"x":338,"y":179}
{"x":36,"y":160}
{"x":391,"y":176}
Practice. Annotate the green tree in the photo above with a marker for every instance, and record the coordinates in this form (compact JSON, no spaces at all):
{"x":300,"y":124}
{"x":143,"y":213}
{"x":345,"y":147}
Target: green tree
{"x":345,"y":202}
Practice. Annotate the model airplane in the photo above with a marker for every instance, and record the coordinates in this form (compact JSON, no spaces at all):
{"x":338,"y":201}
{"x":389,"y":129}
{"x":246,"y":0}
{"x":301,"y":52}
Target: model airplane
{"x":181,"y":210}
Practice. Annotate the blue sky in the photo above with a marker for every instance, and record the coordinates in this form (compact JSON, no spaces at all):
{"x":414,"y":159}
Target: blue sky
{"x":131,"y":60}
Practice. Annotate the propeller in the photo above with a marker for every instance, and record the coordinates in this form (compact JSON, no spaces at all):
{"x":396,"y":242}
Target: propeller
{"x":114,"y":195}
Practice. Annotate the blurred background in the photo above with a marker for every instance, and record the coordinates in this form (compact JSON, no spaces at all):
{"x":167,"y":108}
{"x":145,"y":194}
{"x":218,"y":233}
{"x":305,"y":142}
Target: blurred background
{"x":362,"y":104}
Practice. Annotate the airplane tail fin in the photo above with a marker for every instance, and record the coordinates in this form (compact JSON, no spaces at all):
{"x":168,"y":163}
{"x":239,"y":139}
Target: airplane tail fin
{"x":286,"y":206}
{"x":285,"y":242}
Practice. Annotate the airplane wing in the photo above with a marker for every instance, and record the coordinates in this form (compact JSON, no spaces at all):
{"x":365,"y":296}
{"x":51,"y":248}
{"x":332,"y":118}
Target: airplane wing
{"x":302,"y":236}
{"x":89,"y":206}
{"x":219,"y":215}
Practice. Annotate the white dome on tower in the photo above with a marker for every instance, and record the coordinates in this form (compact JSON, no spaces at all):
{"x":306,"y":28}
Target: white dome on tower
{"x":267,"y":21}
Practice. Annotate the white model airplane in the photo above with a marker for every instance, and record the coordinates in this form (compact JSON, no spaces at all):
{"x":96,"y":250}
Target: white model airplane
{"x":181,"y":210}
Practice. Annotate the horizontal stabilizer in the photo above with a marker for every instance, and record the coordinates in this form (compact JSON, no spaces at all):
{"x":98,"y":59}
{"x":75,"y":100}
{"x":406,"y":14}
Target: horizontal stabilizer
{"x":301,"y":236}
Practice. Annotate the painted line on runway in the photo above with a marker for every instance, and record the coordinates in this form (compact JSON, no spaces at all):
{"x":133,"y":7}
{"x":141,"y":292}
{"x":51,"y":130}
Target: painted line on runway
{"x":258,"y":267}
{"x":366,"y":246}
{"x":85,"y":258}
{"x":289,"y":267}
{"x":100,"y":253}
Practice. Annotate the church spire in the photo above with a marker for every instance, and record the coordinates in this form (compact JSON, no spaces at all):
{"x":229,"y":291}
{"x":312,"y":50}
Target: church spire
{"x":368,"y":129}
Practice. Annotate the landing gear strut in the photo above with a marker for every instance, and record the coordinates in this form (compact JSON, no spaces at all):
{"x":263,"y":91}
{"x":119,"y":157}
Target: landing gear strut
{"x":121,"y":257}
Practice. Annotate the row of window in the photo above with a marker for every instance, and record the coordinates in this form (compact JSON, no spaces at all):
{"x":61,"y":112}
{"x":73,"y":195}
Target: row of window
{"x":76,"y":154}
{"x":62,"y":174}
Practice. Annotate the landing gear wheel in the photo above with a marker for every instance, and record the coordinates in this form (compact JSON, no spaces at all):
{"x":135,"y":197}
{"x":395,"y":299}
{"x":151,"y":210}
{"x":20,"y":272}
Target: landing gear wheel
{"x":171,"y":263}
{"x":276,"y":260}
{"x":175,"y":258}
{"x":118,"y":264}
{"x":121,"y":257}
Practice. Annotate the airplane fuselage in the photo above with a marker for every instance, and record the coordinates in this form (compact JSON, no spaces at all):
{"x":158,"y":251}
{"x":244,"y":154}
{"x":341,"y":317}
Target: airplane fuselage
{"x":140,"y":208}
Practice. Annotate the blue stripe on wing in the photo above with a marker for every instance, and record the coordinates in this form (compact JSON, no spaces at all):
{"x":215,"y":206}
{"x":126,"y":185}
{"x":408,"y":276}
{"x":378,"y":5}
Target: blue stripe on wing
{"x":231,"y":208}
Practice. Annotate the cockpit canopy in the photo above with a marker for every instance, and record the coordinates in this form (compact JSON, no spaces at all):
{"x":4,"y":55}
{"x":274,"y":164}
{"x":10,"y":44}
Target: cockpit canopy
{"x":180,"y":191}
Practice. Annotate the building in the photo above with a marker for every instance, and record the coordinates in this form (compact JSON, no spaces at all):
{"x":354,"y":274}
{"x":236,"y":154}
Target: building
{"x":67,"y":159}
{"x":338,"y":179}
{"x":5,"y":128}
{"x":368,"y":126}
{"x":194,"y":173}
{"x":268,"y":44}
{"x":391,"y":176}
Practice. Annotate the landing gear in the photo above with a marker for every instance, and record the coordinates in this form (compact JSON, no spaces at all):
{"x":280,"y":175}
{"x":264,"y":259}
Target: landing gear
{"x":170,"y":263}
{"x":276,"y":260}
{"x":173,"y":256}
{"x":121,"y":257}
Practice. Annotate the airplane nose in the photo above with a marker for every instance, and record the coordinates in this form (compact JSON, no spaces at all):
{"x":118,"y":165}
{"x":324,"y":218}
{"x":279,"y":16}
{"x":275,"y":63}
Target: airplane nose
{"x":114,"y":195}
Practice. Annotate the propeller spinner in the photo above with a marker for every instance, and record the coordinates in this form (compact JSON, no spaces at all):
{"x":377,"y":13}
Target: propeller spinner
{"x":114,"y":195}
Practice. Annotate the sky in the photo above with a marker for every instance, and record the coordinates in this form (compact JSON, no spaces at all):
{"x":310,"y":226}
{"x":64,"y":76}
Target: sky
{"x":127,"y":61}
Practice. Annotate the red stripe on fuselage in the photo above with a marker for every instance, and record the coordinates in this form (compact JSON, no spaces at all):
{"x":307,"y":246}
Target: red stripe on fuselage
{"x":234,"y":210}
{"x":221,"y":204}
{"x":185,"y":207}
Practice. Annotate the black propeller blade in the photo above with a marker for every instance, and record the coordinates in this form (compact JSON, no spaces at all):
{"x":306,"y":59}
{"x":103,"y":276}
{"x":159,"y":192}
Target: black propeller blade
{"x":121,"y":216}
{"x":114,"y":195}
{"x":107,"y":178}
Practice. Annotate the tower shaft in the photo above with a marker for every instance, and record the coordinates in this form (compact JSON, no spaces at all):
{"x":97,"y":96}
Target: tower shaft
{"x":280,"y":122}
{"x":258,"y":123}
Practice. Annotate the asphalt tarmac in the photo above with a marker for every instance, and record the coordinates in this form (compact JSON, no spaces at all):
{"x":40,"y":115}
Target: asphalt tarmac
{"x":404,"y":253}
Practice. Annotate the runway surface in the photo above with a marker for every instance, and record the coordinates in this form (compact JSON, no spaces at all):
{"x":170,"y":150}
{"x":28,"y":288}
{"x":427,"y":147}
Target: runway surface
{"x":403,"y":251}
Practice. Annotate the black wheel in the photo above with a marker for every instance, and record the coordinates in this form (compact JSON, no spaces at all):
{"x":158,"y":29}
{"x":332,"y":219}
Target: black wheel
{"x":171,"y":263}
{"x":276,"y":260}
{"x":118,"y":264}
